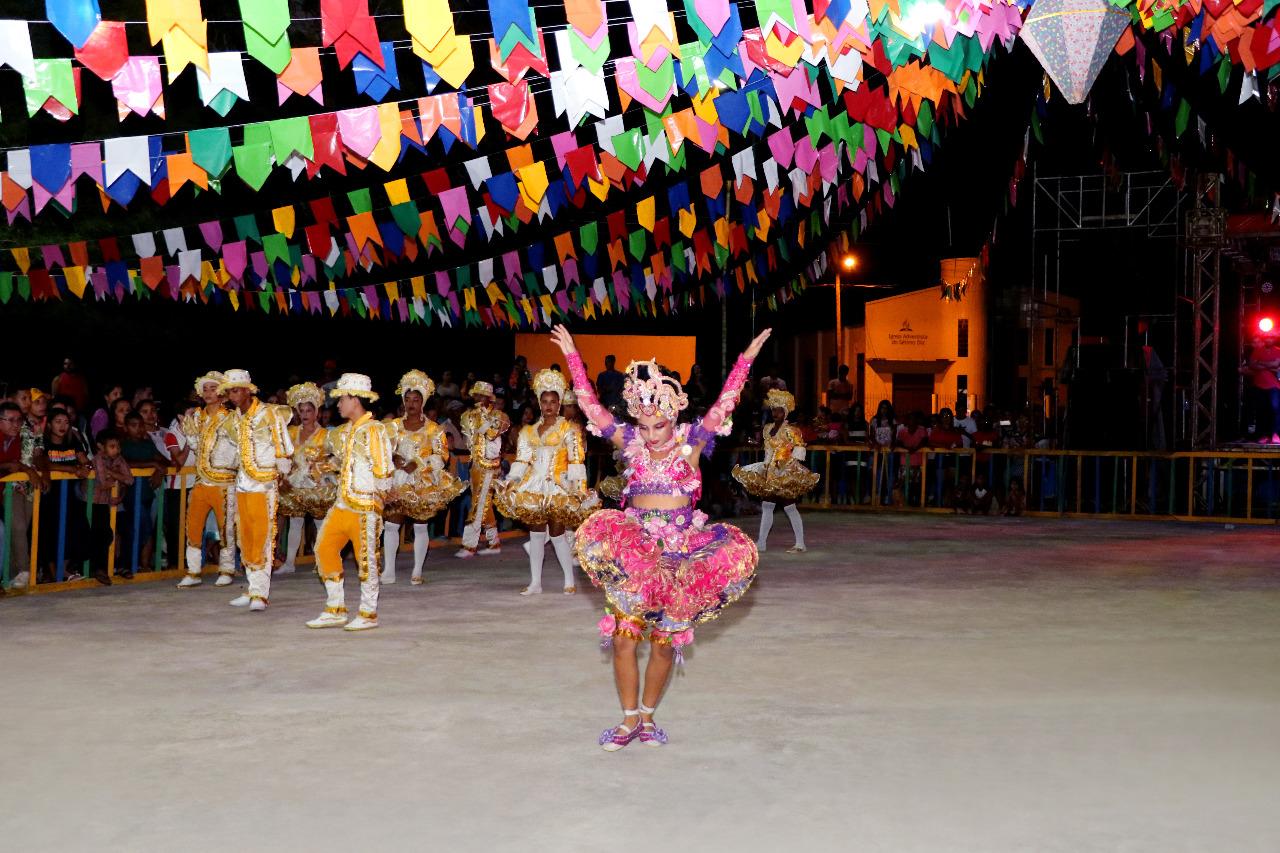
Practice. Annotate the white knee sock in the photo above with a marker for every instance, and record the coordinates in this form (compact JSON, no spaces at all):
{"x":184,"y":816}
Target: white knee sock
{"x":766,"y":523}
{"x":537,"y":551}
{"x":421,"y":542}
{"x":564,"y":553}
{"x":797,"y":526}
{"x":296,"y":528}
{"x":390,"y":545}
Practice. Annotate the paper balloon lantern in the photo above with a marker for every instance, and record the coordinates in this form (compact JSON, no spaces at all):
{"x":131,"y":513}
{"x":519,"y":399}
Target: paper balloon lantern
{"x":1072,"y":39}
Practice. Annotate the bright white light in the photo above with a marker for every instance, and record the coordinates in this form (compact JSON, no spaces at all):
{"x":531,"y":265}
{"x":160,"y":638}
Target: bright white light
{"x":923,"y":15}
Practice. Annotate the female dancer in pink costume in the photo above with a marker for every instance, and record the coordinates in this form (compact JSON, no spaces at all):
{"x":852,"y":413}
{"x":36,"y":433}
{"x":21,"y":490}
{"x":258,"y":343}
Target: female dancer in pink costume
{"x":661,"y":565}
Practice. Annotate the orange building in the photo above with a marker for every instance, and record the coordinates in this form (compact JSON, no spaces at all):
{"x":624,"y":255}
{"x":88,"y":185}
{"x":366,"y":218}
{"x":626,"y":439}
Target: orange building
{"x":916,"y":349}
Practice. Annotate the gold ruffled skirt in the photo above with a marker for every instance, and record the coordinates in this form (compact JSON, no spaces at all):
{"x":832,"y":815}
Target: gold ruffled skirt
{"x":534,"y":509}
{"x":774,"y":483}
{"x":312,"y":500}
{"x":421,"y":500}
{"x":611,"y":487}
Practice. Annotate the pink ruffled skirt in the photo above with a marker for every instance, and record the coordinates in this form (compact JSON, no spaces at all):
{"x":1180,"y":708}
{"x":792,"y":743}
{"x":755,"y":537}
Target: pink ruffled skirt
{"x":666,"y":568}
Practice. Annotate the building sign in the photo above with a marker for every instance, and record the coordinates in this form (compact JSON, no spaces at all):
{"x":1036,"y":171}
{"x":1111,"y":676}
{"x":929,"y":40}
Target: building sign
{"x":908,"y":337}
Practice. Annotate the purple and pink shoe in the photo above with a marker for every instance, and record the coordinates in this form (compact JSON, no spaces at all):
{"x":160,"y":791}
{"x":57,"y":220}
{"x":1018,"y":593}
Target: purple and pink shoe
{"x":650,"y":734}
{"x":614,"y":739}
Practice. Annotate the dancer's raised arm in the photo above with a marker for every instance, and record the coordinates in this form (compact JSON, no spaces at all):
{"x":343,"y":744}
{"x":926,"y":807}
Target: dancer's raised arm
{"x":601,"y":421}
{"x":714,"y":420}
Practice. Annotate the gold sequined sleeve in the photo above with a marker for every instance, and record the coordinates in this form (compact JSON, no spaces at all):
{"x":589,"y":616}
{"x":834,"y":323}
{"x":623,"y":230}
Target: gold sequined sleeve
{"x":379,"y":451}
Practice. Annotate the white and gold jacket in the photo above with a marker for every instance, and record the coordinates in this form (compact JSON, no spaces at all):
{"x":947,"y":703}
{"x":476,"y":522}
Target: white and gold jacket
{"x":483,"y":431}
{"x":306,"y":455}
{"x":262,"y":440}
{"x":428,"y":446}
{"x":551,"y":462}
{"x":361,"y":452}
{"x":215,"y":449}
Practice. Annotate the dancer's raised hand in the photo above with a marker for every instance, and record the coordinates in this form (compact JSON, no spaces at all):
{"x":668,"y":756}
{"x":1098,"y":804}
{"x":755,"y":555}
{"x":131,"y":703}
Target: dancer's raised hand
{"x":753,"y":349}
{"x":563,"y":339}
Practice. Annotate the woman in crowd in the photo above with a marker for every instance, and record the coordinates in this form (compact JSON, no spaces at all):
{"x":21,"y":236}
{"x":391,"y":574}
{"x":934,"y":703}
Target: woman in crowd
{"x":421,"y":484}
{"x":662,"y":567}
{"x":782,"y":478}
{"x":102,"y":417}
{"x":306,"y":491}
{"x":546,"y":488}
{"x":856,"y":424}
{"x":880,"y":433}
{"x":62,"y":506}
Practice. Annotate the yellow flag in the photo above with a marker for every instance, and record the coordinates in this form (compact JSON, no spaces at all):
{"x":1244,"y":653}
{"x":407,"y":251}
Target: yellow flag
{"x":284,"y":220}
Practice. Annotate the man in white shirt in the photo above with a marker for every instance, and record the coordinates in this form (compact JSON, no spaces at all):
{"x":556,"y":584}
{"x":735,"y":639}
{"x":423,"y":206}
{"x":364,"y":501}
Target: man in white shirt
{"x":966,"y":423}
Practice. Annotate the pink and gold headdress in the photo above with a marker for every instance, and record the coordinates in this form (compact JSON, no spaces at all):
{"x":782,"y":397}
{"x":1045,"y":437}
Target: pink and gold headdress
{"x":657,"y":395}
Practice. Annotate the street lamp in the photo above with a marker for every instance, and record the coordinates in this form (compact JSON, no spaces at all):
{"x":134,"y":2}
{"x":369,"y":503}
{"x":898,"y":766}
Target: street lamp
{"x":848,"y":264}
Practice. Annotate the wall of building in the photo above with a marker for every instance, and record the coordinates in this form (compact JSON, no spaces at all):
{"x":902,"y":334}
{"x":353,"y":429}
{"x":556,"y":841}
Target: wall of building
{"x":676,"y":352}
{"x":920,"y":333}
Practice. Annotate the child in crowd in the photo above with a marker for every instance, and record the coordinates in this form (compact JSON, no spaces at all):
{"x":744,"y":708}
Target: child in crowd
{"x":961,"y":496}
{"x":1017,"y":501}
{"x":139,"y":451}
{"x":113,"y":477}
{"x":980,"y":496}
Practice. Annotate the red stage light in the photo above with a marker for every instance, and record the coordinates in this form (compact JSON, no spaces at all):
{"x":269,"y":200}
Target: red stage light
{"x":1266,"y":324}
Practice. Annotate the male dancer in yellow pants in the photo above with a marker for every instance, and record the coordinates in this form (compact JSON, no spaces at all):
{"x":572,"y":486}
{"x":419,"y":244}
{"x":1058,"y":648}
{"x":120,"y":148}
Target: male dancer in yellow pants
{"x":483,"y":427}
{"x":362,"y":451}
{"x":216,"y":456}
{"x":262,"y":436}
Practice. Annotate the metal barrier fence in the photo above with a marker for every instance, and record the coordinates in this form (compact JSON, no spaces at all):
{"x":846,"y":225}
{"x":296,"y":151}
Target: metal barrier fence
{"x":1223,"y":486}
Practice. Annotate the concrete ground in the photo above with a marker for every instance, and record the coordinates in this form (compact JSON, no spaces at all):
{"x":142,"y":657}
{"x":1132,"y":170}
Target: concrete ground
{"x":911,"y":684}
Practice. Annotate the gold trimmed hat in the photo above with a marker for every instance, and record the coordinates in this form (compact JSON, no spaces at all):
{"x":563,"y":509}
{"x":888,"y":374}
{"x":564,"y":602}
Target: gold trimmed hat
{"x":569,"y":398}
{"x":237,"y":379}
{"x":214,"y":376}
{"x":550,"y":380}
{"x":482,"y":389}
{"x":779,"y":399}
{"x":354,"y":385}
{"x":305,"y":392}
{"x":416,"y":380}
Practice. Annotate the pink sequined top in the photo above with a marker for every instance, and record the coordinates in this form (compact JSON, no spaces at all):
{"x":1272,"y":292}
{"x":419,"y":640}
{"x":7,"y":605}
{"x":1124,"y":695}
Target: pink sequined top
{"x":677,"y":473}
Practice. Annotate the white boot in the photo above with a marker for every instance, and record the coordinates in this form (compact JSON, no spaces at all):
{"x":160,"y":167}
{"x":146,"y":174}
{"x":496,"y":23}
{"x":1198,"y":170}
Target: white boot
{"x":335,"y":610}
{"x":766,"y":523}
{"x":493,"y":544}
{"x":293,"y":543}
{"x":227,"y":557}
{"x":390,"y":547}
{"x":421,"y":544}
{"x":537,"y":553}
{"x":194,"y":561}
{"x":564,"y":554}
{"x":368,"y":616}
{"x":797,"y":527}
{"x":241,"y":600}
{"x":259,"y":585}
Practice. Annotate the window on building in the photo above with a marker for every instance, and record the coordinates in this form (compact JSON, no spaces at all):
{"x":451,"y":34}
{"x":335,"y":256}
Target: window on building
{"x":962,"y":391}
{"x":962,"y":339}
{"x":1050,"y":340}
{"x":1023,"y":347}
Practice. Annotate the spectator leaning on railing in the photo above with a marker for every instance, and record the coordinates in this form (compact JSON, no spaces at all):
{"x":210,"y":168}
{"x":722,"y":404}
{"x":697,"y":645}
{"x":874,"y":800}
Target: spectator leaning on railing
{"x":59,"y":454}
{"x":113,"y":478}
{"x":16,"y":457}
